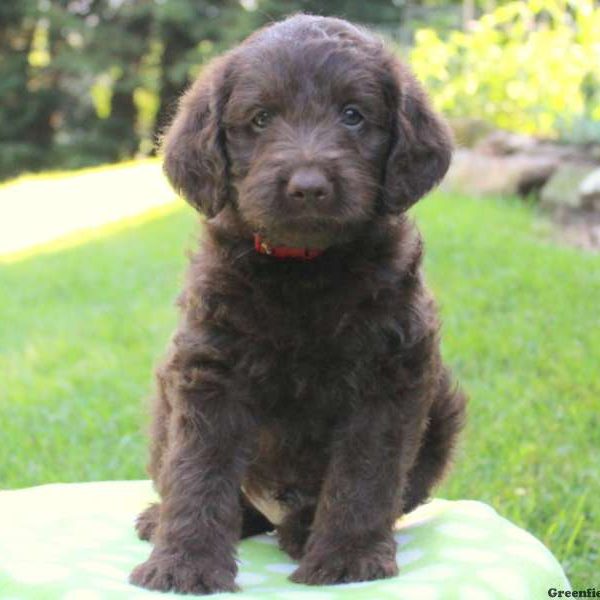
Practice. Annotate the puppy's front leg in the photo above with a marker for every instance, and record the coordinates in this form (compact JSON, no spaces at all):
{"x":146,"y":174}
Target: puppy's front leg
{"x":210,"y":433}
{"x":352,"y":537}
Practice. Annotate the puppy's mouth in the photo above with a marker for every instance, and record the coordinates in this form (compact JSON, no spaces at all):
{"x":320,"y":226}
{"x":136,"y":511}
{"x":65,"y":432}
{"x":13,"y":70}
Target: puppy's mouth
{"x":274,"y":211}
{"x":306,"y":213}
{"x":309,"y":220}
{"x":303,"y":216}
{"x":305,"y":222}
{"x":307,"y":231}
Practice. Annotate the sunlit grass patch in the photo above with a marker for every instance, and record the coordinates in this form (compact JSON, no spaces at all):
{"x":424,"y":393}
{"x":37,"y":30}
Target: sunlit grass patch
{"x":38,"y":209}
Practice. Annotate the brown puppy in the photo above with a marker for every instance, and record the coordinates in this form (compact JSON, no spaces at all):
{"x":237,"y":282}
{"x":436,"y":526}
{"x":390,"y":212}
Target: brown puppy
{"x":303,"y":390}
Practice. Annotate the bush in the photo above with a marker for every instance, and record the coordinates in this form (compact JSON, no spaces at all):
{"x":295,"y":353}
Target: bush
{"x":529,"y":67}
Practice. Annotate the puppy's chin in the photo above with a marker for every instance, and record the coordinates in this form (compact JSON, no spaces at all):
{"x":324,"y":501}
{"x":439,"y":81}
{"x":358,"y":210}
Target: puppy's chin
{"x":309,"y":232}
{"x":305,"y":229}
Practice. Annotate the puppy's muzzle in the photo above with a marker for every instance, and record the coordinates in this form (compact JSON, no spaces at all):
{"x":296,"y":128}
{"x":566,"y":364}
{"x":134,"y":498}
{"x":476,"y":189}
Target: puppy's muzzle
{"x":309,"y":184}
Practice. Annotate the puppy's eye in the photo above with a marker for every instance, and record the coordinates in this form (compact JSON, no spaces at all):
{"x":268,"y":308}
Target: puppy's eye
{"x":351,"y":117}
{"x":261,"y":119}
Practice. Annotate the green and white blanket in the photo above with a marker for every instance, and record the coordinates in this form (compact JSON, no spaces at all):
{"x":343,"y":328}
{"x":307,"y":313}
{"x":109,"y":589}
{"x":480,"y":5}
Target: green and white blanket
{"x":77,"y":542}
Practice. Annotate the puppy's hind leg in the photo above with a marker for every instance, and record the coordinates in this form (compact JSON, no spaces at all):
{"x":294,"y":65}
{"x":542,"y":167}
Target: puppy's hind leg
{"x":159,"y":426}
{"x":446,"y":419}
{"x":253,"y":521}
{"x":147,"y":522}
{"x":294,"y":531}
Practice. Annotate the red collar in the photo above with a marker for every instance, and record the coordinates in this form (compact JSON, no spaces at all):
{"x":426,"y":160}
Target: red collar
{"x":263,"y":247}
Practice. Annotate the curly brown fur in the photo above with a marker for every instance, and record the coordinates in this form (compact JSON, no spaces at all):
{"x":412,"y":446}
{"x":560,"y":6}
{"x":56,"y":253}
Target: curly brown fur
{"x":311,"y":391}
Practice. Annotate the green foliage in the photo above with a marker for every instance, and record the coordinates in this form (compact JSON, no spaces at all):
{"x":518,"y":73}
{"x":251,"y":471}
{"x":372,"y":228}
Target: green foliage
{"x":26,"y":106}
{"x":85,"y":83}
{"x":376,"y":12}
{"x":579,"y":130}
{"x":532,"y":67}
{"x":91,"y":82}
{"x":86,"y":324}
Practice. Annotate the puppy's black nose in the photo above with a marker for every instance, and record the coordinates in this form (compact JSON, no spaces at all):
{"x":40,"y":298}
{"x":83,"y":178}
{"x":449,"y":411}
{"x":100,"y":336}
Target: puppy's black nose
{"x":309,"y":183}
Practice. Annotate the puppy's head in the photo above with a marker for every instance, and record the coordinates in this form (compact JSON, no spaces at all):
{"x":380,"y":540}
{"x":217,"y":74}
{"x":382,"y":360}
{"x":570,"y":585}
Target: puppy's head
{"x":310,"y":126}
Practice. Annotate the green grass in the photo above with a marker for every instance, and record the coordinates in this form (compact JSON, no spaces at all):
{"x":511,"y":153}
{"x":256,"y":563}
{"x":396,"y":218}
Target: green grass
{"x":81,"y":326}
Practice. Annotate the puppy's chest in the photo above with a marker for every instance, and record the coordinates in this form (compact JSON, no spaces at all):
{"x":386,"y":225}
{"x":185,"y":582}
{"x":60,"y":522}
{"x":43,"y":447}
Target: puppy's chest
{"x":301,"y":345}
{"x":299,"y":350}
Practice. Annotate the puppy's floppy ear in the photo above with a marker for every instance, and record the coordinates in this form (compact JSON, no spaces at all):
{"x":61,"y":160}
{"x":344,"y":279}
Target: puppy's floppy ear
{"x":195,"y":160}
{"x":421,"y":144}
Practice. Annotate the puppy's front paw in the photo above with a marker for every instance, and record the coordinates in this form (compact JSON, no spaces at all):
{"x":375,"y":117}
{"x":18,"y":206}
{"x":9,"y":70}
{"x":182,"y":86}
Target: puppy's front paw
{"x":345,"y":566}
{"x":184,"y":574}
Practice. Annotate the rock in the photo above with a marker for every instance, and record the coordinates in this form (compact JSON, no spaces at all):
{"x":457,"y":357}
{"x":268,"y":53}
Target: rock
{"x":504,"y":163}
{"x":468,"y":131}
{"x":562,"y":191}
{"x":482,"y":174}
{"x":581,"y":230}
{"x":503,"y":143}
{"x":531,"y":172}
{"x":589,"y":191}
{"x":594,"y":152}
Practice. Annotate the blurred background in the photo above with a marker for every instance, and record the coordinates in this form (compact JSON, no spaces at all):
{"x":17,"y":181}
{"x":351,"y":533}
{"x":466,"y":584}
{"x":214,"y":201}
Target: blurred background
{"x":92,"y":240}
{"x":86,"y":82}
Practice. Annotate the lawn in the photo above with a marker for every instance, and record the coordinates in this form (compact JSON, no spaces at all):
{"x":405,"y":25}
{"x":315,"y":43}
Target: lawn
{"x":82,"y":324}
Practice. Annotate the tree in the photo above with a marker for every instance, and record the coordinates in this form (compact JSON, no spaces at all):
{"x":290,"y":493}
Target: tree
{"x":27,"y":103}
{"x":91,"y":81}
